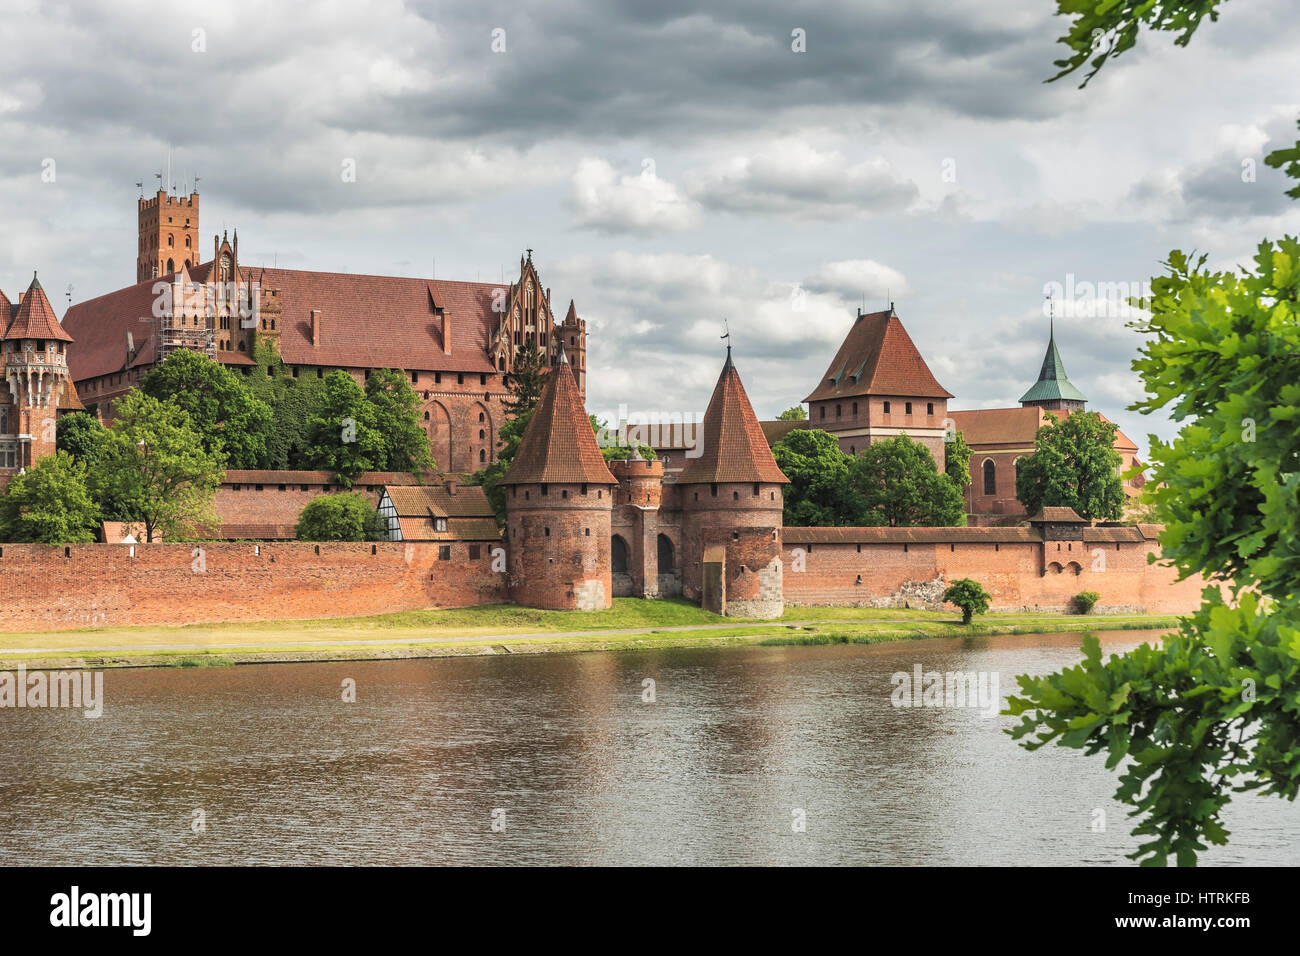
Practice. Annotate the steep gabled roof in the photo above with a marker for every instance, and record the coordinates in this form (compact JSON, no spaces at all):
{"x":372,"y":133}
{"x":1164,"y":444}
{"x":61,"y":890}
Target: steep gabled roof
{"x":35,"y":318}
{"x":559,"y":444}
{"x":733,"y":445}
{"x":983,"y":427}
{"x":1052,"y":382}
{"x":878,"y":357}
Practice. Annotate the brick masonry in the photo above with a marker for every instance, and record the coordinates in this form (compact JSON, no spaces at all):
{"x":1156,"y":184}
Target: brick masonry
{"x":110,"y":585}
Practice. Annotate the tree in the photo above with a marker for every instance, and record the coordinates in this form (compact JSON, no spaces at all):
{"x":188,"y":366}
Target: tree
{"x":968,"y":595}
{"x":795,"y":414}
{"x":291,"y":399}
{"x":155,"y":469}
{"x":526,"y":380}
{"x":396,"y":415}
{"x":956,"y":460}
{"x":1212,"y":711}
{"x":896,"y":482}
{"x":221,"y":407}
{"x":346,"y":516}
{"x":341,"y":433}
{"x":81,"y":435}
{"x":819,"y":477}
{"x":49,"y":504}
{"x":1074,"y":465}
{"x":612,"y":447}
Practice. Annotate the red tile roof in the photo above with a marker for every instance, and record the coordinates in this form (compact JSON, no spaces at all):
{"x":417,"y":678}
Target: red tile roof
{"x":366,"y":321}
{"x":35,"y":318}
{"x":411,"y":501}
{"x":259,"y":476}
{"x":733,"y":446}
{"x":878,"y":357}
{"x":559,"y":444}
{"x":908,"y":535}
{"x":1059,"y":514}
{"x":1017,"y":427}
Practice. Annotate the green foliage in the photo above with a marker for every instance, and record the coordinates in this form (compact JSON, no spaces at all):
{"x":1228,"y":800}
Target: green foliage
{"x":818,"y":493}
{"x":611,"y":448}
{"x":396,"y":414}
{"x":290,"y":398}
{"x":1105,"y":30}
{"x":1085,"y":601}
{"x":526,"y":380}
{"x":795,"y":414}
{"x":81,"y":435}
{"x":968,"y":595}
{"x":896,"y":482}
{"x":221,"y":407}
{"x":956,"y":460}
{"x":1074,"y":465}
{"x":341,"y":433}
{"x":49,"y":504}
{"x":509,"y":436}
{"x":154,"y":468}
{"x":347,"y":516}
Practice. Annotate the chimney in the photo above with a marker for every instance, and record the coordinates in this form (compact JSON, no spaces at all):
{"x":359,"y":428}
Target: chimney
{"x":446,"y":332}
{"x":130,"y":345}
{"x":451,"y":487}
{"x":315,"y":326}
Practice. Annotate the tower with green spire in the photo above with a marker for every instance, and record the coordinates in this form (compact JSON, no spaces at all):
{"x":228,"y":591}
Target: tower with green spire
{"x":1053,"y":390}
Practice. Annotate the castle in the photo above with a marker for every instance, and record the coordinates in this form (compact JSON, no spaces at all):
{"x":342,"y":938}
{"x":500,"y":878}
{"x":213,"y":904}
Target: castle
{"x":579,"y":531}
{"x":456,"y":340}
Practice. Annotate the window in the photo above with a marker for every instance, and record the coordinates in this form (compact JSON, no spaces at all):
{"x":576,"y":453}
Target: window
{"x":415,"y":378}
{"x":475,"y":552}
{"x":584,"y":489}
{"x":439,"y":524}
{"x":666,"y":555}
{"x":823,"y":411}
{"x":444,"y":552}
{"x":482,"y":456}
{"x":886,"y":408}
{"x":713,"y":489}
{"x":460,"y":378}
{"x":990,"y":477}
{"x":929,"y":408}
{"x":755,"y":489}
{"x":855,"y":409}
{"x":907,"y":408}
{"x":839,"y":410}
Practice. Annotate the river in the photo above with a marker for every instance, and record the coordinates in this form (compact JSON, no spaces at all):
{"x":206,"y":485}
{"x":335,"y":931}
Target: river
{"x":754,"y":755}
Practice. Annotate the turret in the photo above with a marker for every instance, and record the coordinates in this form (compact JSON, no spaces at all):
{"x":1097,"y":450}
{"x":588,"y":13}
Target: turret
{"x":559,"y":497}
{"x":36,"y":379}
{"x":732,"y":505}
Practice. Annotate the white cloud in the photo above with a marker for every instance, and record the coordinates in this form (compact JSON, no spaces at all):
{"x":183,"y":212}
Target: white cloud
{"x":641,"y":203}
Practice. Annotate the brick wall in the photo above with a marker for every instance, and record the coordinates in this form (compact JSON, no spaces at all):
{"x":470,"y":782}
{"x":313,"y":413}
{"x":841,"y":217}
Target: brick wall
{"x":103,"y":585}
{"x":871,"y":573}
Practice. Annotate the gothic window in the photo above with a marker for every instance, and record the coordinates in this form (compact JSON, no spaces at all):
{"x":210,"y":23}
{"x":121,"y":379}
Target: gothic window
{"x":990,"y":477}
{"x":171,"y":266}
{"x":618,"y":555}
{"x":171,"y":241}
{"x":482,"y":455}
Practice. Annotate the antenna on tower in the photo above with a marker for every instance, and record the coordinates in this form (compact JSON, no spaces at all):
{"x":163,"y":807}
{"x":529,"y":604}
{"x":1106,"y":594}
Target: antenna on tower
{"x":171,"y":187}
{"x":1051,"y":316}
{"x":140,"y":186}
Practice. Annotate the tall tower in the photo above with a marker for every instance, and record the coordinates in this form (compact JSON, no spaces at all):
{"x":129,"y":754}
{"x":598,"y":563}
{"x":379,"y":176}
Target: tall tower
{"x":1053,"y":390}
{"x":559,"y":498}
{"x":732,"y":507}
{"x":36,"y":380}
{"x":573,"y":340}
{"x":168,"y":234}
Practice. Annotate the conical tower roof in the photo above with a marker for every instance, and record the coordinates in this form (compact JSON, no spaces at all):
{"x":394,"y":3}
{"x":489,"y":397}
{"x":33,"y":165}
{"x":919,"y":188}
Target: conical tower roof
{"x":559,"y":444}
{"x":734,"y":446}
{"x":1053,"y":383}
{"x":35,"y":318}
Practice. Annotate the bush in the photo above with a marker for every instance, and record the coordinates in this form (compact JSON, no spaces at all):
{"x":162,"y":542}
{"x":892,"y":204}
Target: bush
{"x":969,"y":596}
{"x":346,"y":516}
{"x":1084,"y":601}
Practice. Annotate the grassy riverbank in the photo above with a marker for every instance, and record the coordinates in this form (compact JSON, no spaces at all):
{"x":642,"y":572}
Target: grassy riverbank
{"x":506,"y":629}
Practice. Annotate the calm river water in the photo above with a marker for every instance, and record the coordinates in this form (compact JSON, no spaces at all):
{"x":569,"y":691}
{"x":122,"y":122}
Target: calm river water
{"x":738,"y":745}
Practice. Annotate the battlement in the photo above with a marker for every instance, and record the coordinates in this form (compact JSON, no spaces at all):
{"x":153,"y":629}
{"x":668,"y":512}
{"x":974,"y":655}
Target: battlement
{"x":164,"y":199}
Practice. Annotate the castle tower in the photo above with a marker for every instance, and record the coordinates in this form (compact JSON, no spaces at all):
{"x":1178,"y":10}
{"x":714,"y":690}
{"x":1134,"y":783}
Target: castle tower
{"x":638,"y":569}
{"x":35,"y":378}
{"x":1053,"y":390}
{"x":168,"y":235}
{"x":573,"y":339}
{"x":559,"y":497}
{"x":732,"y":506}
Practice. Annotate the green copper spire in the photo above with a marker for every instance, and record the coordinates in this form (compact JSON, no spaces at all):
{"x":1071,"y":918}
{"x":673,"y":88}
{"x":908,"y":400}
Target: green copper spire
{"x":1053,"y":384}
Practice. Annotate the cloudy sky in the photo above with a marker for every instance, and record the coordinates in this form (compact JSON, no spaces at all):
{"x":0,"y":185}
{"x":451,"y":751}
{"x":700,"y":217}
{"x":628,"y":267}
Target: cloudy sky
{"x":672,"y":164}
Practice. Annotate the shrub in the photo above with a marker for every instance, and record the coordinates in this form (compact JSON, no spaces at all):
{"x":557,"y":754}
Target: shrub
{"x":969,"y":596}
{"x":346,"y":516}
{"x":1084,"y":601}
